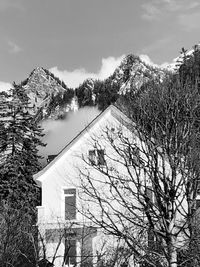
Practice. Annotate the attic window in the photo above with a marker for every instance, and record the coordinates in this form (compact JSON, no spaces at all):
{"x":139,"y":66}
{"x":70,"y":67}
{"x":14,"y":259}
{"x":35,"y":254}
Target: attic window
{"x":132,"y":155}
{"x":149,"y":193}
{"x":92,"y":157}
{"x":97,"y":157}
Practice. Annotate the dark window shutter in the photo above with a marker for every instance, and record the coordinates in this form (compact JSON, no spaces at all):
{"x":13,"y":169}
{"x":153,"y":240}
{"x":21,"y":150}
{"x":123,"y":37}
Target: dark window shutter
{"x":70,"y":252}
{"x":70,"y":204}
{"x":92,"y":157}
{"x":149,"y":193}
{"x":100,"y":157}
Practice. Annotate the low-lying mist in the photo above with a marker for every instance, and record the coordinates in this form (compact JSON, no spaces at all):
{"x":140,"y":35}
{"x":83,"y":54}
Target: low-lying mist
{"x":58,"y":133}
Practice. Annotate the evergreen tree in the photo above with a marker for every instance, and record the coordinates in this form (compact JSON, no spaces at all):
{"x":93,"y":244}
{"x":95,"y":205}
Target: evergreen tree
{"x":106,"y":93}
{"x":20,"y":137}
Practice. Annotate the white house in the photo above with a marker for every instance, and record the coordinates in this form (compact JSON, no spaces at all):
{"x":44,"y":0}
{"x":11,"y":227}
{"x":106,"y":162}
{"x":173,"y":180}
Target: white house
{"x":67,"y":235}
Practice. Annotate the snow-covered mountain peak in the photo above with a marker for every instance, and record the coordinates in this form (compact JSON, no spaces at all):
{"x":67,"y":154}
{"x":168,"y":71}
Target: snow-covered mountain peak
{"x":46,"y":92}
{"x":133,"y":73}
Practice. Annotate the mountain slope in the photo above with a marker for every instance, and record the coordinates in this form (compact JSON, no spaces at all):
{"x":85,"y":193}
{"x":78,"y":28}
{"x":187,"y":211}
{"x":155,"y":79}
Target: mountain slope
{"x":133,"y":73}
{"x":129,"y":76}
{"x":48,"y":95}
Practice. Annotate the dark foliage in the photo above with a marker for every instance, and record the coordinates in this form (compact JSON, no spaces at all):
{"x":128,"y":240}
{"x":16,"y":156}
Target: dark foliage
{"x":106,"y":93}
{"x":60,"y":100}
{"x":84,"y":93}
{"x":19,"y":141}
{"x":18,"y":237}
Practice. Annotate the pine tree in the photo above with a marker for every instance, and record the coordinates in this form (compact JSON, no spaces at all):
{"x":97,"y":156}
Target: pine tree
{"x":20,"y":137}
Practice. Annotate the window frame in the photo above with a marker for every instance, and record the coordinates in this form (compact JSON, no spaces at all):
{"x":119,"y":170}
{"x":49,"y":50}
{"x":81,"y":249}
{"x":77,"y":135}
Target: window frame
{"x":97,"y":157}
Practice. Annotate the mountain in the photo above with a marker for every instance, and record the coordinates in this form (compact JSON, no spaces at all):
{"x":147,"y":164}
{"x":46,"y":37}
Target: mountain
{"x":129,"y":76}
{"x":133,"y":73}
{"x":49,"y":97}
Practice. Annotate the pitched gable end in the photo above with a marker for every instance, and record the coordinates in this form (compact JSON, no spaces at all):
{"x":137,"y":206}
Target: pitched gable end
{"x":112,"y":110}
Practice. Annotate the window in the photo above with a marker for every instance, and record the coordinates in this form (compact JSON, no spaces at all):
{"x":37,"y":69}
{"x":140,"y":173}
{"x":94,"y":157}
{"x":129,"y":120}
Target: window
{"x":100,"y":157}
{"x":92,"y":157}
{"x":97,"y":157}
{"x":70,"y":252}
{"x":70,"y":204}
{"x":132,"y":154}
{"x":149,"y":193}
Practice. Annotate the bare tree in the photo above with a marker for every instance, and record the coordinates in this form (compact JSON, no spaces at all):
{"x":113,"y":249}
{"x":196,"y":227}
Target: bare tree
{"x":145,"y":190}
{"x":111,"y":252}
{"x":69,"y":242}
{"x":23,"y":244}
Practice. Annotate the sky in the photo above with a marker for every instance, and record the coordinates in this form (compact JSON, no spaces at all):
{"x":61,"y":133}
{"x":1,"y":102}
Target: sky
{"x":77,"y":39}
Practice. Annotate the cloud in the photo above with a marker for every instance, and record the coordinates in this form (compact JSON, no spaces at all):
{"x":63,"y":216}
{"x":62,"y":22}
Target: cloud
{"x":154,"y":9}
{"x":76,"y":77}
{"x":151,"y":11}
{"x":148,"y":61}
{"x":14,"y":48}
{"x":180,"y":5}
{"x":4,"y":86}
{"x":190,"y":21}
{"x":7,"y":4}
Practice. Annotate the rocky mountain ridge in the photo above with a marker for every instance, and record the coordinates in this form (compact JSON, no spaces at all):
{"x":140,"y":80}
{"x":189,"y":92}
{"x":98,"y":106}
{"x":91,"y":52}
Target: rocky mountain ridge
{"x":48,"y":95}
{"x":51,"y":98}
{"x":131,"y":74}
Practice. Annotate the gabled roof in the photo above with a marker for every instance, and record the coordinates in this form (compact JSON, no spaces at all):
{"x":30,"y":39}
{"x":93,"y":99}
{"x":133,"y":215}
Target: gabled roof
{"x":114,"y":111}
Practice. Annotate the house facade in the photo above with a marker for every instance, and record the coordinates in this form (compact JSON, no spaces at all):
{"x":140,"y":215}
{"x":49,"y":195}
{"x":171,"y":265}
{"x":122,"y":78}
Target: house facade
{"x":67,"y":236}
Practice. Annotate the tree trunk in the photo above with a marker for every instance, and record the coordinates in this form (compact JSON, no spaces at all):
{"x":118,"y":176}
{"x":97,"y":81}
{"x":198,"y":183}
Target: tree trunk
{"x":172,"y":253}
{"x":173,"y":258}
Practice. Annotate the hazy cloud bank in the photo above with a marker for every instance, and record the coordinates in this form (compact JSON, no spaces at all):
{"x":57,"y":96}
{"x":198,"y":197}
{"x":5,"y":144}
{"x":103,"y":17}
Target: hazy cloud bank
{"x":58,"y":133}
